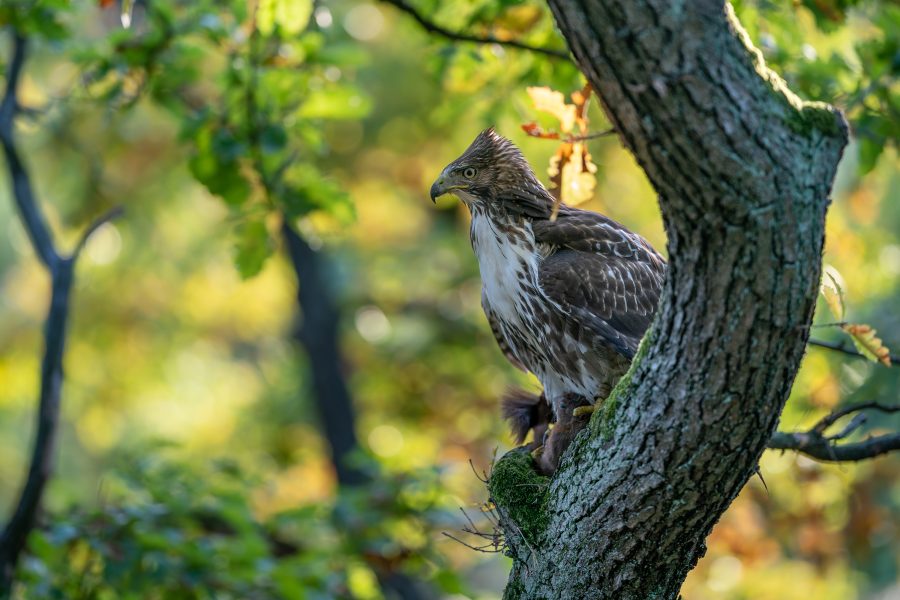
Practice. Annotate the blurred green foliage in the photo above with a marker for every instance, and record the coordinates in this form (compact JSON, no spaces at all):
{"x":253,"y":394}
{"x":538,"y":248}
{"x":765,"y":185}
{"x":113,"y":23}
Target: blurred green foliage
{"x":166,"y":529}
{"x":851,"y":59}
{"x":211,"y":122}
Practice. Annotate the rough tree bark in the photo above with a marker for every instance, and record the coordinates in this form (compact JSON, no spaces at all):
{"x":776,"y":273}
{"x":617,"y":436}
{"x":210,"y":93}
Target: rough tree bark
{"x":743,"y":170}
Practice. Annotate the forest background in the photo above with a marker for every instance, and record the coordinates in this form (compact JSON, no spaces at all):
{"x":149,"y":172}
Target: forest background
{"x":195,"y":458}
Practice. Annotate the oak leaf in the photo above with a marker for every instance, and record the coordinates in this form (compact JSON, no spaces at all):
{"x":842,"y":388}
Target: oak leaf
{"x":554,"y":103}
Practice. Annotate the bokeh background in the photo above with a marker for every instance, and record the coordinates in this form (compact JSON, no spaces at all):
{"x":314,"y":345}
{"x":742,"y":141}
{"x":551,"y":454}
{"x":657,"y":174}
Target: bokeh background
{"x":192,"y":460}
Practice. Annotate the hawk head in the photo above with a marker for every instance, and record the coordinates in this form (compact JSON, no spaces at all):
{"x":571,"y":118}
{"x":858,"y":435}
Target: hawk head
{"x":492,"y":176}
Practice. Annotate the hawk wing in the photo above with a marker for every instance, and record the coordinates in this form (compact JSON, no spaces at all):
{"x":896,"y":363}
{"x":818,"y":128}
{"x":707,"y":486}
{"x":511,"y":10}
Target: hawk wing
{"x":605,"y":277}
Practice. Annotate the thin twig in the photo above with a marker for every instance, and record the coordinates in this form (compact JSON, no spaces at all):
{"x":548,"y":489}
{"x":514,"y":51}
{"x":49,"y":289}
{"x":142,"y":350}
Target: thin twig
{"x":591,"y":136}
{"x":534,"y":130}
{"x":842,"y":347}
{"x":495,"y":549}
{"x":468,"y":518}
{"x":832,"y":417}
{"x":821,"y":449}
{"x":112,"y":214}
{"x":482,"y":478}
{"x":855,"y":423}
{"x":432,"y":27}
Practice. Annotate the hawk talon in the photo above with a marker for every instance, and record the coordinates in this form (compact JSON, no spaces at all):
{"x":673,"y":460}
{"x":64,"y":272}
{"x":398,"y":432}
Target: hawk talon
{"x":584,"y":411}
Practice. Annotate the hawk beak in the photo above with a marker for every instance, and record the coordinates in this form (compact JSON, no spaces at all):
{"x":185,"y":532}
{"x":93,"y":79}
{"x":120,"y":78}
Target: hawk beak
{"x":437,"y":189}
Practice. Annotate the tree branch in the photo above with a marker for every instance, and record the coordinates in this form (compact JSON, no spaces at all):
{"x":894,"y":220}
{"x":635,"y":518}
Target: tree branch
{"x":816,"y":444}
{"x":820,"y":449}
{"x":842,"y":347}
{"x":459,"y":36}
{"x":61,"y":268}
{"x":20,"y":524}
{"x":34,"y":222}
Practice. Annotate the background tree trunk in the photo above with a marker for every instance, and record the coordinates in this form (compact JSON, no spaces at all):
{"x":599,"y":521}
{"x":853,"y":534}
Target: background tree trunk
{"x":317,"y":332}
{"x":743,"y":170}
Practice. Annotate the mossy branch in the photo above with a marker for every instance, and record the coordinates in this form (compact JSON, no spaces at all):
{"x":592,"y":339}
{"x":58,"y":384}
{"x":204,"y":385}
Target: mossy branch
{"x":520,"y":494}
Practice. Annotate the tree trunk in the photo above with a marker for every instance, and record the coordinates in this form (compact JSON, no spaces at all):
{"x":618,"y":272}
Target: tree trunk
{"x":317,"y":333}
{"x":743,"y":170}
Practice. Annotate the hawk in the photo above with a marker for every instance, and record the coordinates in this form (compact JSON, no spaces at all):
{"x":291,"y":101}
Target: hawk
{"x":567,"y":299}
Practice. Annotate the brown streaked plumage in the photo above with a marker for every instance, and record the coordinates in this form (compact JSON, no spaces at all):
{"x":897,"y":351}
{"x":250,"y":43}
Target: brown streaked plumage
{"x":568,"y":300}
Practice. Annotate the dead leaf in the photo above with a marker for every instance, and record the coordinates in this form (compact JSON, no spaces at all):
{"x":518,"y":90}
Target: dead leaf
{"x":868,"y":343}
{"x":557,"y":163}
{"x":832,"y":291}
{"x":578,"y":180}
{"x":535,"y":130}
{"x":572,"y":175}
{"x":580,"y":98}
{"x":572,"y":171}
{"x":554,"y":103}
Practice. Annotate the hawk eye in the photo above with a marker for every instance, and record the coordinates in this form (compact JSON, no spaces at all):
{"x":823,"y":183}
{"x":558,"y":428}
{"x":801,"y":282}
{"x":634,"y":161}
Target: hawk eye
{"x":469,"y":173}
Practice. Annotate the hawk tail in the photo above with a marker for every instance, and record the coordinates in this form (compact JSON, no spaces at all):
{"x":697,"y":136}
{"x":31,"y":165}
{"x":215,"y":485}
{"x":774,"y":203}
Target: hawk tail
{"x":525,"y":411}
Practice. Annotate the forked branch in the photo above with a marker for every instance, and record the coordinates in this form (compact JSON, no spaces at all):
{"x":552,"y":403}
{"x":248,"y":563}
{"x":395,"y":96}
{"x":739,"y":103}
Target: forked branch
{"x":818,"y":444}
{"x":61,"y":270}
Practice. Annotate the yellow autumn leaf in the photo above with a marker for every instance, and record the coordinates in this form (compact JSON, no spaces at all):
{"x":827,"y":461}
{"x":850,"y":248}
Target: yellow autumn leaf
{"x":868,"y":343}
{"x":554,"y":103}
{"x":833,"y":291}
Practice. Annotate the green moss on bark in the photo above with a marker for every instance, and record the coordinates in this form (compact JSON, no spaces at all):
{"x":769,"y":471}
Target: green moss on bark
{"x":514,"y":590}
{"x":518,"y":489}
{"x":815,"y":116}
{"x":604,"y":420}
{"x":802,"y":117}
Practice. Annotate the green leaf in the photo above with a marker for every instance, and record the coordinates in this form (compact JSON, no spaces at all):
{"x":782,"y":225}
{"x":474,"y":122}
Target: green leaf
{"x":869,"y":151}
{"x":449,"y":582}
{"x":252,"y":247}
{"x":337,"y":102}
{"x":215,"y":164}
{"x":273,"y":138}
{"x":305,"y":190}
{"x":344,"y":55}
{"x":290,"y":16}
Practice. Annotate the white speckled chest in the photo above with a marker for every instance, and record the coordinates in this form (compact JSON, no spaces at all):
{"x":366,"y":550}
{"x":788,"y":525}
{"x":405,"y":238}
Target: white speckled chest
{"x":538,"y":333}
